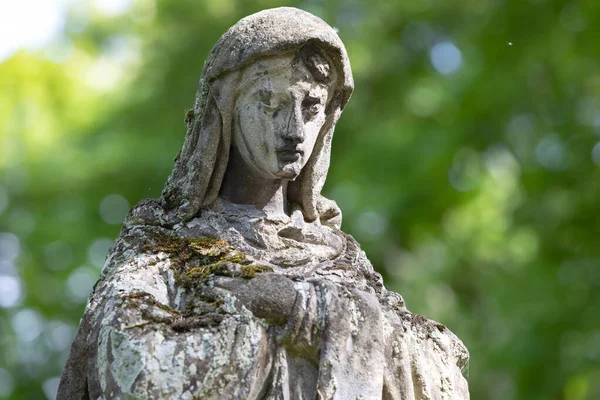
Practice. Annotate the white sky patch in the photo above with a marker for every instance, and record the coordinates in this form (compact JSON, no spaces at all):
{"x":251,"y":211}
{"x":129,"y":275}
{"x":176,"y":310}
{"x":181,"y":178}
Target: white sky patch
{"x":29,"y":24}
{"x":112,"y":8}
{"x":445,"y":57}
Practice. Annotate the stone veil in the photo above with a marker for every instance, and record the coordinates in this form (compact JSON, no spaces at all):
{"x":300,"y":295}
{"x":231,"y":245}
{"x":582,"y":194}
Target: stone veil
{"x":203,"y":297}
{"x":200,"y":166}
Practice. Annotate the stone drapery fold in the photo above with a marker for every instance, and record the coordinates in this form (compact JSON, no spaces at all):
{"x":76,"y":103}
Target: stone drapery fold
{"x":346,"y":337}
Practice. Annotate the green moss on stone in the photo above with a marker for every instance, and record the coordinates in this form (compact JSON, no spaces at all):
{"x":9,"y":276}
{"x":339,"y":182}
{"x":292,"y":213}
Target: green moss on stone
{"x":194,"y":260}
{"x":184,"y":249}
{"x":250,"y":271}
{"x":237,"y":258}
{"x":194,"y":275}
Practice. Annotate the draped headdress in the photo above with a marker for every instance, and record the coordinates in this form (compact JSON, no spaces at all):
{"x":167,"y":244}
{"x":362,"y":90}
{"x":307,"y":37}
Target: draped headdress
{"x":200,"y":165}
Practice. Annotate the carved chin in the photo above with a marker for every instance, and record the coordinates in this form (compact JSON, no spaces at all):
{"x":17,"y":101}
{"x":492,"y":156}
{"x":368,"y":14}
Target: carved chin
{"x":290,"y":171}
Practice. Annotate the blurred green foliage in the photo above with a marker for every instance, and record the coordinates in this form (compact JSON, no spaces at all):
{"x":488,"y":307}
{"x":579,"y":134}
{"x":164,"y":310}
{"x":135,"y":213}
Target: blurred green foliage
{"x":467,"y":164}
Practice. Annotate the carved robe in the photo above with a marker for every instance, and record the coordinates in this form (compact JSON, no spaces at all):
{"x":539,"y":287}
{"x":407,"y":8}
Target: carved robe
{"x":144,"y":335}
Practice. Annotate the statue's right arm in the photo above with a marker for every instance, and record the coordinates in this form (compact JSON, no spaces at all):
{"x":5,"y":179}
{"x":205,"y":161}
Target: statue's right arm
{"x":126,"y":346}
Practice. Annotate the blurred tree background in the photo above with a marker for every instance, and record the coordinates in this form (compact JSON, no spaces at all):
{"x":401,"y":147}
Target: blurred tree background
{"x":467,"y":164}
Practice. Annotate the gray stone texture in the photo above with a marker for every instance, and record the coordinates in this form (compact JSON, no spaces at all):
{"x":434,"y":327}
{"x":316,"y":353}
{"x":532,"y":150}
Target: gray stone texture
{"x":218,"y":290}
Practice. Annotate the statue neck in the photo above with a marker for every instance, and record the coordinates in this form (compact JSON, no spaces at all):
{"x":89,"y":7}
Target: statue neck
{"x":242,"y":185}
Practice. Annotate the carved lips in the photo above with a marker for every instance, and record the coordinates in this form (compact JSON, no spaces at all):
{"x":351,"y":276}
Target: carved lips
{"x":289,"y":153}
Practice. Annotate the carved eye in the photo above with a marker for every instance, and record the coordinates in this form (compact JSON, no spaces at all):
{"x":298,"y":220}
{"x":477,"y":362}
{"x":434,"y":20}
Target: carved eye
{"x":270,"y":103}
{"x":272,"y":109}
{"x":264,"y":100}
{"x":267,"y":106}
{"x":311,"y":107}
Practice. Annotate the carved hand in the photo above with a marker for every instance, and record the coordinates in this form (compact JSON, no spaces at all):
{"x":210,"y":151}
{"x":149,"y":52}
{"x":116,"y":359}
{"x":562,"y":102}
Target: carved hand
{"x":269,"y":296}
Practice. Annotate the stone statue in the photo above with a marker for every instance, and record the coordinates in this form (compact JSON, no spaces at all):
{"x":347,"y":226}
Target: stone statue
{"x":238,"y":282}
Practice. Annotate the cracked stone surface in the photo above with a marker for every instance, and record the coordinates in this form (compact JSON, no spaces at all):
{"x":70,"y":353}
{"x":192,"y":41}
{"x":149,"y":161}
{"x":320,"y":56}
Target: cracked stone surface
{"x":204,"y":297}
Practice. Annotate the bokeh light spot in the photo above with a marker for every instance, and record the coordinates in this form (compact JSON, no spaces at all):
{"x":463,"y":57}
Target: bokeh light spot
{"x":425,"y":99}
{"x":441,"y":299}
{"x":7,"y":268}
{"x":21,"y":221}
{"x":16,"y":179}
{"x":465,"y":170}
{"x":345,"y":195}
{"x":59,"y":335}
{"x":9,"y":246}
{"x":113,"y":209}
{"x":501,"y":164}
{"x":596,"y":154}
{"x":551,"y":153}
{"x":50,"y":387}
{"x":3,"y":199}
{"x":7,"y":383}
{"x":69,"y":208}
{"x":27,"y":325}
{"x":521,"y":134}
{"x":445,"y":57}
{"x":80,"y":283}
{"x":587,"y":110}
{"x":523,"y":245}
{"x":58,"y":255}
{"x":572,"y":19}
{"x":98,"y":250}
{"x":10,"y":291}
{"x":418,"y":36}
{"x":221,"y":8}
{"x":371,"y":225}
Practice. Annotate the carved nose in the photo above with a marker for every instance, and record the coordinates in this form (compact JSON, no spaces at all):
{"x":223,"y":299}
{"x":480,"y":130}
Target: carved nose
{"x":295,"y":125}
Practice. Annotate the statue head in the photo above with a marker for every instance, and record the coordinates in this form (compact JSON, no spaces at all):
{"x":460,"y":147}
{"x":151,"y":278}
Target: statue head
{"x":280,"y":109}
{"x":273,"y":86}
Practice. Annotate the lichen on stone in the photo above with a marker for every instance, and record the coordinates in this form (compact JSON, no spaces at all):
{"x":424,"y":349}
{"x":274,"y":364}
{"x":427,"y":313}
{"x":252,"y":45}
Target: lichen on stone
{"x":133,"y":300}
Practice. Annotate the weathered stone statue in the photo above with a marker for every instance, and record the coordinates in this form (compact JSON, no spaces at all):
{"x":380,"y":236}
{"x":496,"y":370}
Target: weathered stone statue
{"x":238,"y":282}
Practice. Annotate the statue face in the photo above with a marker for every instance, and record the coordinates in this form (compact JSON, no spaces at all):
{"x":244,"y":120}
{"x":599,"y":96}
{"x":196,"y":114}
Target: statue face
{"x":278,"y":116}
